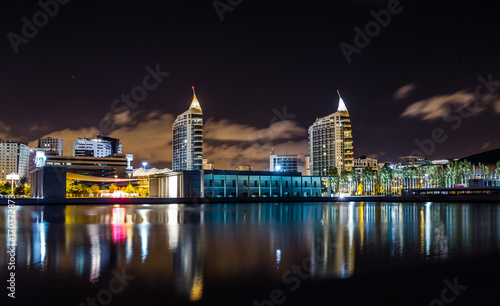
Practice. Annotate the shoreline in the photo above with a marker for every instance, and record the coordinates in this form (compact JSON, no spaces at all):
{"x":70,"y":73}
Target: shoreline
{"x":197,"y":201}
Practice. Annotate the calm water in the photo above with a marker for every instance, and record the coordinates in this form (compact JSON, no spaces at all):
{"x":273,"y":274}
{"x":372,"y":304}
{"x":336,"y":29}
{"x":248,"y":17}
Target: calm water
{"x":184,"y":250}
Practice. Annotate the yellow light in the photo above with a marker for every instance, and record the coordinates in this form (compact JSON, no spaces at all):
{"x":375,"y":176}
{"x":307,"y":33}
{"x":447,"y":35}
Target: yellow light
{"x":197,"y":289}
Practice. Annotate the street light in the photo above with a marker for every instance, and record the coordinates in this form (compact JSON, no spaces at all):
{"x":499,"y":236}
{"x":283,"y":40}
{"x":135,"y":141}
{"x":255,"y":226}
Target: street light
{"x":13,"y":177}
{"x":144,"y":165}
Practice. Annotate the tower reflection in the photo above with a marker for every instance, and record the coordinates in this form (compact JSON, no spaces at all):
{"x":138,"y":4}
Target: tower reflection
{"x":182,"y":248}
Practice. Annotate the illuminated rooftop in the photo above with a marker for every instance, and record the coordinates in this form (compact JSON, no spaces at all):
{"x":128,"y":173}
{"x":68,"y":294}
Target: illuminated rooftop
{"x":195,"y":103}
{"x":342,"y":107}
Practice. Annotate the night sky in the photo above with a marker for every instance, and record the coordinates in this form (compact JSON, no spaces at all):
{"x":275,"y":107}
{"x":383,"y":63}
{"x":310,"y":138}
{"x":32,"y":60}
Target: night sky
{"x":263,"y":73}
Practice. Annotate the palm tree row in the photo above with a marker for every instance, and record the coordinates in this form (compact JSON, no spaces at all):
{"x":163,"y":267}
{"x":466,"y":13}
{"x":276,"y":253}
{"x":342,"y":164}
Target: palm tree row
{"x":390,"y":180}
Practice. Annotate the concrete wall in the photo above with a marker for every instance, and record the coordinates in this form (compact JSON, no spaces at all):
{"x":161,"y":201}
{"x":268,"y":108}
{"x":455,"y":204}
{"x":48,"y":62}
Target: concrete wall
{"x":49,"y":182}
{"x":183,"y":184}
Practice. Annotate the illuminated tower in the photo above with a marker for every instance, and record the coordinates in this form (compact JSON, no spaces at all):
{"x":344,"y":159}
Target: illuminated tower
{"x":187,"y":144}
{"x":330,"y":142}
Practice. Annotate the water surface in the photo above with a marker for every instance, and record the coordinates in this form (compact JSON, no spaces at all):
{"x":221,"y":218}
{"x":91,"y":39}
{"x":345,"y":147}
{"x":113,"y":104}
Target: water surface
{"x":183,"y":251}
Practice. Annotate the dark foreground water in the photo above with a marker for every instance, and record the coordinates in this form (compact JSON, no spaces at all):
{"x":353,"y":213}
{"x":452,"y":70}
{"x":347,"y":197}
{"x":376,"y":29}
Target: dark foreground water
{"x":254,"y":254}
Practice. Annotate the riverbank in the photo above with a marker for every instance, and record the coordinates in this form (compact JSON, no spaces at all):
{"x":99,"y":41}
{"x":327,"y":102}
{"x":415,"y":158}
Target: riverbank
{"x":152,"y":201}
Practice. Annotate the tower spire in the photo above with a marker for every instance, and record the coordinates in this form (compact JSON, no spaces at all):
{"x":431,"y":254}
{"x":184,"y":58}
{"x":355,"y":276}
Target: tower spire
{"x":195,"y":103}
{"x":342,"y":107}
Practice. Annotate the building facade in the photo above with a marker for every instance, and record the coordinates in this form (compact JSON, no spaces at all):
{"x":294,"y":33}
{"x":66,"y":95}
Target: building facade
{"x":49,"y":144}
{"x":283,"y":163}
{"x":363,"y":162}
{"x":237,"y":184}
{"x":331,"y":143}
{"x":96,"y":147}
{"x":110,"y":166}
{"x":14,"y":158}
{"x":187,"y":142}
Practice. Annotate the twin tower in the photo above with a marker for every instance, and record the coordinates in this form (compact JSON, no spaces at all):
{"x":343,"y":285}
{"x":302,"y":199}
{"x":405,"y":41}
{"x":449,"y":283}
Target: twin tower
{"x":187,"y":138}
{"x":330,"y":141}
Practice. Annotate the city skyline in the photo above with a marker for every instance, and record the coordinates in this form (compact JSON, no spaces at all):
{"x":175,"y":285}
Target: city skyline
{"x":264,"y":73}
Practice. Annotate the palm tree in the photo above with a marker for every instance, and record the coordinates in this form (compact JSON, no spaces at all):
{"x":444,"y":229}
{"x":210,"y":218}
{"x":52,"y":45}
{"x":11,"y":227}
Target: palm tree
{"x":405,"y":176}
{"x":353,"y":179}
{"x":483,"y":170}
{"x":367,"y":176}
{"x":344,"y":179}
{"x":441,"y":176}
{"x":386,"y":176}
{"x":427,"y":175}
{"x":449,"y":174}
{"x":487,"y":172}
{"x":334,"y":180}
{"x":467,"y":170}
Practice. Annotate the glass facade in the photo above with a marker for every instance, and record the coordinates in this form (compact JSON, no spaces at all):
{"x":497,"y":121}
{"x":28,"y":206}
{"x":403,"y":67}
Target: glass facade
{"x":230,"y":183}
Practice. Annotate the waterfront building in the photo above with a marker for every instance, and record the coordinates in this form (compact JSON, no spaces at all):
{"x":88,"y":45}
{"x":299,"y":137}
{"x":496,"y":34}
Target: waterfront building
{"x":14,"y":158}
{"x":237,"y":184}
{"x":187,"y":142}
{"x":49,"y":144}
{"x":110,"y":166}
{"x":96,"y":147}
{"x":484,"y":182}
{"x":330,"y":142}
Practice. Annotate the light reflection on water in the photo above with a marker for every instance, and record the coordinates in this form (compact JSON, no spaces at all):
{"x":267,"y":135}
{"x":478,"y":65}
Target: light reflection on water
{"x":186,"y":246}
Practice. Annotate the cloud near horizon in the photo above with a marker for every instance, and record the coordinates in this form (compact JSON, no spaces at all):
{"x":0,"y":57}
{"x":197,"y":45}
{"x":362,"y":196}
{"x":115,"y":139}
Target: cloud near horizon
{"x":226,"y":144}
{"x":438,"y":106}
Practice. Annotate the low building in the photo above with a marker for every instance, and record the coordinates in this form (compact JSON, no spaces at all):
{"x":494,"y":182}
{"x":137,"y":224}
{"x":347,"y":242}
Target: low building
{"x":207,"y":165}
{"x":484,"y":183}
{"x":243,"y":168}
{"x":111,"y":166}
{"x":222,"y":183}
{"x":363,"y":162}
{"x":234,"y":184}
{"x":415,"y":161}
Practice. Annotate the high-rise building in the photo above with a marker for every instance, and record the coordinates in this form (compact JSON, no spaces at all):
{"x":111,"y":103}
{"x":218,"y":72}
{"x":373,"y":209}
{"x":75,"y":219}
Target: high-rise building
{"x":14,"y":158}
{"x":49,"y":144}
{"x":96,"y":147}
{"x":330,"y":142}
{"x":187,"y":144}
